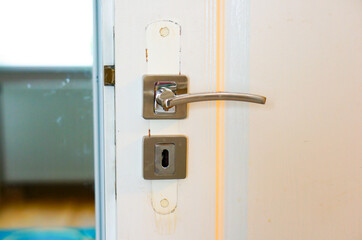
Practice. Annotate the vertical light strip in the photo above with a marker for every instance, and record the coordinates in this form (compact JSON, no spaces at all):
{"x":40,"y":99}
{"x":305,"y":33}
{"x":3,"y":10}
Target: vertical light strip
{"x":207,"y":83}
{"x":219,"y":134}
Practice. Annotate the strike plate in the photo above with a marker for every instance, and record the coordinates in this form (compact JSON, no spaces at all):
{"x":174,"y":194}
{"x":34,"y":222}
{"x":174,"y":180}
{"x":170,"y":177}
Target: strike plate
{"x":164,"y":157}
{"x":151,"y":110}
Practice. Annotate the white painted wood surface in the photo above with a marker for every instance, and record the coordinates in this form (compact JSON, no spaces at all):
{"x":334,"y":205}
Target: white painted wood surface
{"x":305,"y":149}
{"x":302,"y":148}
{"x":110,"y":164}
{"x":163,"y":57}
{"x":110,"y":204}
{"x":195,"y":215}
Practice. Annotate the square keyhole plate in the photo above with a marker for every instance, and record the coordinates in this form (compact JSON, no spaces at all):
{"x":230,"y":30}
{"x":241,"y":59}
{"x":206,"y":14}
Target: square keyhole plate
{"x":164,"y":157}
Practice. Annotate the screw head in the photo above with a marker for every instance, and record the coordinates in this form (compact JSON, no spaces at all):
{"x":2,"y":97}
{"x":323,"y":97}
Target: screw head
{"x":164,"y":32}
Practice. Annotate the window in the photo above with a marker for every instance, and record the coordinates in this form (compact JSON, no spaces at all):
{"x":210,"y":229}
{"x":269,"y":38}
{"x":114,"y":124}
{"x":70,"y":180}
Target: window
{"x":46,"y":33}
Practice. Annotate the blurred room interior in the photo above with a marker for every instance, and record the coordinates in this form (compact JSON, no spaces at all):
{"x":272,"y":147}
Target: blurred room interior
{"x":46,"y":126}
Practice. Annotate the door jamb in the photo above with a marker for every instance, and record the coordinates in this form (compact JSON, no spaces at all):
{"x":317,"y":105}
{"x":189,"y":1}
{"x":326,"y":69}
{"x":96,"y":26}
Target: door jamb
{"x":103,"y":117}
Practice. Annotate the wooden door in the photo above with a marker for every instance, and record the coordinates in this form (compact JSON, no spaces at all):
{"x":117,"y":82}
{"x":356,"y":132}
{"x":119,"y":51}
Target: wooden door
{"x":284,"y":170}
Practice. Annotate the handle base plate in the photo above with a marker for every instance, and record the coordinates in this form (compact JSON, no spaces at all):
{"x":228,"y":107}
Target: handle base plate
{"x":178,"y":84}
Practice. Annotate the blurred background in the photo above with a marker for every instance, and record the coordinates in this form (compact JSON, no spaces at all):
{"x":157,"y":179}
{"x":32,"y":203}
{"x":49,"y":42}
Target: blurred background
{"x":46,"y":126}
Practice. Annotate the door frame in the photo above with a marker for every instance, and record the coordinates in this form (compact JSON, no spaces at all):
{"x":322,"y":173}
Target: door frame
{"x":104,"y":127}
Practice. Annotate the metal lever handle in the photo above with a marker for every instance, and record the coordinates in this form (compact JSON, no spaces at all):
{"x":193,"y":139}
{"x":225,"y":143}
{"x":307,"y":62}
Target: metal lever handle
{"x":167,"y":98}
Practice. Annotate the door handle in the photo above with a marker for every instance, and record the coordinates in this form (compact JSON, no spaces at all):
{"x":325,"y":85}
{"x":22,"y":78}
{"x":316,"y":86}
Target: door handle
{"x":168,"y":99}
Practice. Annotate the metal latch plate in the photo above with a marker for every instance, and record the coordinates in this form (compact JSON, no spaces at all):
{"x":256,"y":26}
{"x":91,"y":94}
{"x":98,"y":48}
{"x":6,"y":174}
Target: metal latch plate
{"x":109,"y":75}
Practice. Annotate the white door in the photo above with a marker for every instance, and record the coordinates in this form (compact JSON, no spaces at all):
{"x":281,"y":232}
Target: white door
{"x":289,"y":169}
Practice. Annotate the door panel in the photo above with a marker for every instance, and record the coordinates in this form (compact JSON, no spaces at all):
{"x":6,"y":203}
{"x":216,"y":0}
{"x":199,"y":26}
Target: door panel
{"x":301,"y":148}
{"x":305,"y":146}
{"x":211,"y":201}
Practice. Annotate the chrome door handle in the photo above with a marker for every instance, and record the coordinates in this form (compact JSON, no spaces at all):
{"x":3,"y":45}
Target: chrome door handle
{"x":167,"y":98}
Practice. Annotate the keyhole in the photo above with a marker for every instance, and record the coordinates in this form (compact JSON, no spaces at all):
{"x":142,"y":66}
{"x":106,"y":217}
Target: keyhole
{"x":165,"y":161}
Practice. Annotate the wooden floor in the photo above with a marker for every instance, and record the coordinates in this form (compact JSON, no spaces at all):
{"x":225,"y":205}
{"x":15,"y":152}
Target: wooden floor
{"x":19,"y":209}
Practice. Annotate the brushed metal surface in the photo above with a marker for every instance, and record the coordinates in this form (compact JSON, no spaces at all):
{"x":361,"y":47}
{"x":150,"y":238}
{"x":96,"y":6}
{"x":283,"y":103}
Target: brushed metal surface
{"x":149,"y":88}
{"x":153,"y":146}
